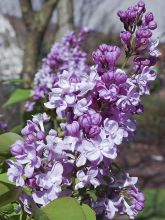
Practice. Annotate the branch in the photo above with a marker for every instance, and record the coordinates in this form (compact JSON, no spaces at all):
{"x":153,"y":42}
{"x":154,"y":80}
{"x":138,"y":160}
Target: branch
{"x":27,"y":12}
{"x":65,"y":17}
{"x":43,"y":16}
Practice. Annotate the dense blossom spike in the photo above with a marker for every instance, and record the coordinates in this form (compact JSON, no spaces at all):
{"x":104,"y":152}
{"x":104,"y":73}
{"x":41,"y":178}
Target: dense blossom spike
{"x":96,"y":106}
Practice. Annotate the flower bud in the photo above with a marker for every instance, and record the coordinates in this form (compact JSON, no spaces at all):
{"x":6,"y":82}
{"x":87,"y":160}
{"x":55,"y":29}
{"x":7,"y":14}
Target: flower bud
{"x":85,"y":121}
{"x":112,"y":54}
{"x":149,"y":17}
{"x":17,"y":148}
{"x":40,"y":135}
{"x":97,"y":56}
{"x":96,"y":119}
{"x":103,"y":47}
{"x":74,"y":79}
{"x":125,"y":37}
{"x":94,"y":131}
{"x":107,"y":76}
{"x":30,"y":139}
{"x":152,"y":25}
{"x":141,"y":4}
{"x":30,"y":128}
{"x":120,"y":76}
{"x":73,"y":129}
{"x":121,"y":14}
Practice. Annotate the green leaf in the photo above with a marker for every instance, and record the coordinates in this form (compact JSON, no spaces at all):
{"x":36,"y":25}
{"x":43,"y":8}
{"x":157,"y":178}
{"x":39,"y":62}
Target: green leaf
{"x":5,"y":187}
{"x":3,"y":166}
{"x":10,"y":196}
{"x":7,"y":209}
{"x":4,"y":179}
{"x":89,"y":213}
{"x":92,"y":194}
{"x":17,"y":128}
{"x":15,"y":217}
{"x":38,"y":214}
{"x":68,"y":208}
{"x":6,"y":140}
{"x":19,"y":95}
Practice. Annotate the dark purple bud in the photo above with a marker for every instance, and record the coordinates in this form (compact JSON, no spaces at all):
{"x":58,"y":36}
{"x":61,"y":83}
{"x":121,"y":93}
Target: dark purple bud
{"x":94,"y":131}
{"x":141,"y":4}
{"x":112,"y":55}
{"x":139,"y":109}
{"x":108,"y":76}
{"x":144,"y":41}
{"x":85,"y":121}
{"x":73,"y":129}
{"x":30,"y":128}
{"x":96,"y":119}
{"x":120,"y":76}
{"x":30,"y":139}
{"x":121,"y":14}
{"x":147,"y":33}
{"x":125,"y":37}
{"x":149,"y":17}
{"x":152,"y":61}
{"x":97,"y":55}
{"x":17,"y":148}
{"x":40,"y":135}
{"x":103,"y":47}
{"x":141,"y":33}
{"x":132,"y":15}
{"x":74,"y":79}
{"x":152,"y":25}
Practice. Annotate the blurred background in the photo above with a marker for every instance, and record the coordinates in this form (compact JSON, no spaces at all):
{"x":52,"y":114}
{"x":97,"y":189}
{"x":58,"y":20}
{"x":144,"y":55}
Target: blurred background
{"x":28,"y":28}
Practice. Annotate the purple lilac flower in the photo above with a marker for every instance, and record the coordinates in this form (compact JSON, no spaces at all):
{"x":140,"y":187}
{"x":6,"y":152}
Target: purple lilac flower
{"x":99,"y":148}
{"x":15,"y":173}
{"x":110,"y":209}
{"x":144,"y":80}
{"x":50,"y":183}
{"x":88,"y":178}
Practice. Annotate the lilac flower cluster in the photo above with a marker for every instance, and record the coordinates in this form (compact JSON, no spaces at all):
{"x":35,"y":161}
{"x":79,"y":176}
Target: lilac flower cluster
{"x":98,"y":105}
{"x":65,"y":55}
{"x":136,"y":38}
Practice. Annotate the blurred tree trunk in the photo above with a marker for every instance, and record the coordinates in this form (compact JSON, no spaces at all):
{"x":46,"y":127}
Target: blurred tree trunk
{"x":36,"y":23}
{"x":65,"y":18}
{"x":31,"y":54}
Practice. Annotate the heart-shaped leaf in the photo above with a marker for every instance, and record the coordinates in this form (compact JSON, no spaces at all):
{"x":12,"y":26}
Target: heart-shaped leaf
{"x":38,"y":214}
{"x":68,"y":208}
{"x":89,"y":213}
